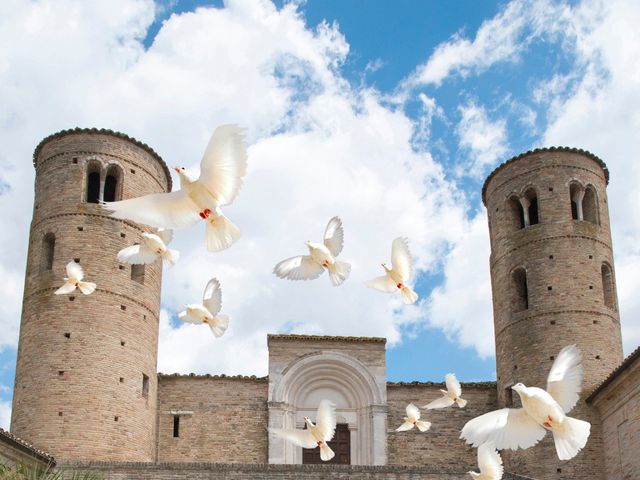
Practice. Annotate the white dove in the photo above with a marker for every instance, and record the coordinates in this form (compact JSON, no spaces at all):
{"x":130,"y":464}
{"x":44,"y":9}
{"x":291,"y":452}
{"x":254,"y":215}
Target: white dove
{"x":413,"y":420}
{"x":321,"y":256}
{"x":222,"y":169}
{"x":316,"y":435}
{"x":541,"y":410}
{"x":209,"y":311}
{"x":449,"y":396}
{"x":489,"y":462}
{"x":73,"y":280}
{"x":152,"y":246}
{"x":399,"y":274}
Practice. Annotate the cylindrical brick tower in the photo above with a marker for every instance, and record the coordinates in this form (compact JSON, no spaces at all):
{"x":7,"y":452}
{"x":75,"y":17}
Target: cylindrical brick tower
{"x":86,"y":379}
{"x":553,"y":284}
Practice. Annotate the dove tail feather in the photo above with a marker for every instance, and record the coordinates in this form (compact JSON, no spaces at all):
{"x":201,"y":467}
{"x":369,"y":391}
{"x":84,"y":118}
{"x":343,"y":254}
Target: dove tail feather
{"x":461,"y":402}
{"x":326,"y":453}
{"x":221,"y":233}
{"x":171,"y":256}
{"x":339,"y":272}
{"x":66,"y":288}
{"x":87,"y":287}
{"x":408,"y":295}
{"x":219,"y":324}
{"x":570,"y":437}
{"x":423,"y":426}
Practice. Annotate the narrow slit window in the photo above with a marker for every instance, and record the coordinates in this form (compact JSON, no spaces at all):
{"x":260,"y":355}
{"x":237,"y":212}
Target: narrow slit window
{"x":176,"y":426}
{"x":137,"y":273}
{"x":590,"y":205}
{"x":532,"y":209}
{"x":145,"y":386}
{"x":48,"y":251}
{"x":520,"y":290}
{"x":515,"y":213}
{"x":608,"y":289}
{"x":112,"y":184}
{"x":575,"y":196}
{"x":93,"y":183}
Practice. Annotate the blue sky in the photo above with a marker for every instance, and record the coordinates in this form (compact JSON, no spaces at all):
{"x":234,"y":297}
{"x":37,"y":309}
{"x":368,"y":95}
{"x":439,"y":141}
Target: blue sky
{"x":389,"y":114}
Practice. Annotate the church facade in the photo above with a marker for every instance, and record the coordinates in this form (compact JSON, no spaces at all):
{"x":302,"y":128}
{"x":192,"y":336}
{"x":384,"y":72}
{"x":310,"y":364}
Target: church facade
{"x":87,"y":393}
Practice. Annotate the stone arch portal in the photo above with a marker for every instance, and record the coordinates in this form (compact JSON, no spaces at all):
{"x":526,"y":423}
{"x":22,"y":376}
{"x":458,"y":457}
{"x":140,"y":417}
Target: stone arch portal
{"x":336,"y":376}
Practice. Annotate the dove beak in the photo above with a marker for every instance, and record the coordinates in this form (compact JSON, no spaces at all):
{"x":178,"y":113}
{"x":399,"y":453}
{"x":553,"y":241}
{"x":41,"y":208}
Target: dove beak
{"x":177,"y":169}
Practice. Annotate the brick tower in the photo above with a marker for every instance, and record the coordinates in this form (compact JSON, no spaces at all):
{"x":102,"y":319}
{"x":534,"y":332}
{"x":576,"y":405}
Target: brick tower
{"x":553,"y":285}
{"x":86,"y":370}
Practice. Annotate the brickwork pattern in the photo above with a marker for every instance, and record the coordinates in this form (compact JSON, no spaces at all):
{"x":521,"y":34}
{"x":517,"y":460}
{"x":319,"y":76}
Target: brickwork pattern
{"x":195,"y":471}
{"x":441,"y":445}
{"x":562,"y":258}
{"x":90,"y":351}
{"x":619,"y":407}
{"x":228,"y":423}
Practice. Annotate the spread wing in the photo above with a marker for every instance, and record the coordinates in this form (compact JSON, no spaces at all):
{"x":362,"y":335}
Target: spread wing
{"x":334,"y":236}
{"x":302,"y":438}
{"x":185,"y":317}
{"x":166,"y":235}
{"x":401,"y":258}
{"x":161,"y":210}
{"x":383,"y":283}
{"x":212,"y":298}
{"x":326,"y":419}
{"x":224,"y":163}
{"x":506,"y":428}
{"x":565,"y":378}
{"x":302,"y":267}
{"x":74,"y":271}
{"x":136,"y":255}
{"x":453,"y":385}
{"x":413,"y":412}
{"x":490,"y":462}
{"x":442,"y":402}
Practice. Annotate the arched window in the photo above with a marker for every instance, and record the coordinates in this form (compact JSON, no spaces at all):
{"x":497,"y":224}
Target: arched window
{"x":92,"y":190}
{"x":137,"y":273}
{"x":608,"y":288}
{"x":515,"y":214}
{"x":590,"y":205}
{"x":48,"y":251}
{"x":519,"y":290}
{"x":575,"y":196}
{"x":531,"y":198}
{"x":112,"y":184}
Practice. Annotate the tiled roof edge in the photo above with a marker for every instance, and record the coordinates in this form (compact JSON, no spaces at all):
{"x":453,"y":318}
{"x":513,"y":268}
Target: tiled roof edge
{"x":208,"y":375}
{"x":314,"y":338}
{"x":540,"y":150}
{"x":440,"y":384}
{"x":24,"y":445}
{"x":113,"y":133}
{"x":612,"y":376}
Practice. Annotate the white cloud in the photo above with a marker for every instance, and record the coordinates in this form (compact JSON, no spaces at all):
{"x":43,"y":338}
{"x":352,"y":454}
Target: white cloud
{"x":500,"y":39}
{"x":5,"y":414}
{"x":484,"y":140}
{"x":461,"y":307}
{"x":338,"y":150}
{"x":601,"y":115}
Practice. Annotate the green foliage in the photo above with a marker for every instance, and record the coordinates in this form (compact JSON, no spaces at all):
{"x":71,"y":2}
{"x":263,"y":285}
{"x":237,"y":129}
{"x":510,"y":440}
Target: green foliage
{"x":40,"y":472}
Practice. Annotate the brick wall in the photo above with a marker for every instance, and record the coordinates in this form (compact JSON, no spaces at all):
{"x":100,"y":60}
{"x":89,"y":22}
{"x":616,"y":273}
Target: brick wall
{"x":563,"y":259}
{"x":90,"y":351}
{"x":619,"y":406}
{"x":441,"y":445}
{"x":228,"y":423}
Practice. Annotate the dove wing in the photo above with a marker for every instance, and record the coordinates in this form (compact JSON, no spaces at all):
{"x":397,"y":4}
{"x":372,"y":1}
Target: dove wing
{"x":224,"y":163}
{"x":162,"y":210}
{"x":136,"y":255}
{"x":166,"y":235}
{"x":453,"y":385}
{"x":401,"y":258}
{"x":74,"y":271}
{"x":506,"y":428}
{"x":185,"y":317}
{"x":383,"y":283}
{"x":326,"y":419}
{"x":334,"y":236}
{"x":413,"y":412}
{"x":302,"y":267}
{"x":565,"y":378}
{"x":489,"y":461}
{"x":212,"y":298}
{"x":441,"y":402}
{"x":302,"y":438}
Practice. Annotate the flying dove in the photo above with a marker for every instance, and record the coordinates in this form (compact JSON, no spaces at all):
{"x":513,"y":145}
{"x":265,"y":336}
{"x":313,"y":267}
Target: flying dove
{"x":449,"y":396}
{"x":209,"y":311}
{"x":396,"y":277}
{"x":413,"y":420}
{"x":489,"y":462}
{"x":152,"y":246}
{"x":73,"y":280}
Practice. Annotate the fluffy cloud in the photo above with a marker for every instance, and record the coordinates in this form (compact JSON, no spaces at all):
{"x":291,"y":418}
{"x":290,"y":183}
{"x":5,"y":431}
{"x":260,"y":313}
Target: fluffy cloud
{"x":319,"y":147}
{"x":484,"y":140}
{"x":500,"y":39}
